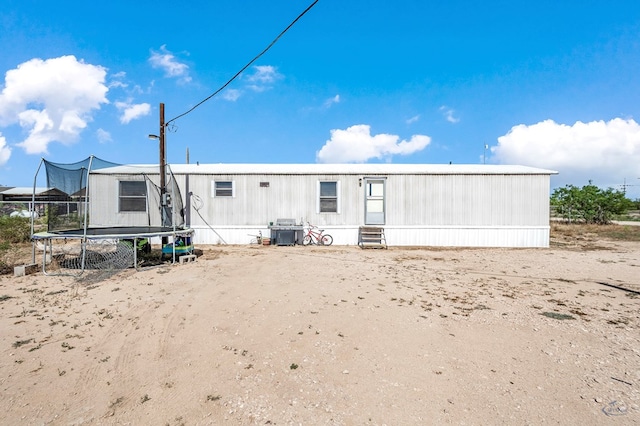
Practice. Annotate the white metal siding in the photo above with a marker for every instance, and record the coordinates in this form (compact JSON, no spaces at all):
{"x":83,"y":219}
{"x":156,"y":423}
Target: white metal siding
{"x":468,"y":200}
{"x":468,"y":236}
{"x":448,"y":209}
{"x":287,"y":196}
{"x":104,"y":203}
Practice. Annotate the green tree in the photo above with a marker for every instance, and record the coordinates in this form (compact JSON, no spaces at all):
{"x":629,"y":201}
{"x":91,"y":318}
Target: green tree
{"x":589,"y":204}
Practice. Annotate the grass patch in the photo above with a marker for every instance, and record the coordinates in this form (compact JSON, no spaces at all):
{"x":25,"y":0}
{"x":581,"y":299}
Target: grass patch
{"x":594,"y":232}
{"x":557,"y":316}
{"x":13,"y":254}
{"x":481,"y":307}
{"x":630,"y":216}
{"x":19,"y":343}
{"x":66,"y":346}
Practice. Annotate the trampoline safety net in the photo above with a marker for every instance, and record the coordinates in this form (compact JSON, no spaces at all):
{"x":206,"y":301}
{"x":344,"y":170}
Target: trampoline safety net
{"x":99,"y":188}
{"x":64,"y":207}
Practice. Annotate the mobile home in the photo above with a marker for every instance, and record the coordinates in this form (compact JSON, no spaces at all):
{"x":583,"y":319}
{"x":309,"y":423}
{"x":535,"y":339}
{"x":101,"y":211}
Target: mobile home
{"x":415,"y":204}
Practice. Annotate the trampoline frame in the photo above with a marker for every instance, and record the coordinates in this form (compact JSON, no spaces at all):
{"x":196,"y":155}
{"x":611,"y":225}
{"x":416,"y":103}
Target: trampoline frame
{"x":134,"y":233}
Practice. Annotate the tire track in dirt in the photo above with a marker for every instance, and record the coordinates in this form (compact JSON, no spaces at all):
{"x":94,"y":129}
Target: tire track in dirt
{"x":155,"y":369}
{"x":114,"y":353}
{"x":122,"y":373}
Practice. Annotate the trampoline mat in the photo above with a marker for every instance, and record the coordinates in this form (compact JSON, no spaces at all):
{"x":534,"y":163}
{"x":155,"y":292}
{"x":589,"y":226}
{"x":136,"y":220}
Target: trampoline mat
{"x":113,"y":232}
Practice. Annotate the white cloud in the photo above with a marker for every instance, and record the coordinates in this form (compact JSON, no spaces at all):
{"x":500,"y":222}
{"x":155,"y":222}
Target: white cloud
{"x":357,"y":145}
{"x":5,"y":151}
{"x":52,"y":100}
{"x":413,"y":119}
{"x":118,"y":85}
{"x":116,"y":80}
{"x":260,"y":80}
{"x":103,"y":136}
{"x":331,"y":101}
{"x":449,"y":114}
{"x":231,"y":95}
{"x":132,"y":111}
{"x":264,"y":74}
{"x":166,"y":61}
{"x":263,"y":77}
{"x":605,"y":152}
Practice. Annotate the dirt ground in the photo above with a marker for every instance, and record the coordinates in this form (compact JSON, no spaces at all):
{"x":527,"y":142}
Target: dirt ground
{"x":331,"y":335}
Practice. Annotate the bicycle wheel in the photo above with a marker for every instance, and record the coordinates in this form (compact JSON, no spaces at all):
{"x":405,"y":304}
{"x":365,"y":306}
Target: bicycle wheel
{"x":326,"y":240}
{"x":306,"y":240}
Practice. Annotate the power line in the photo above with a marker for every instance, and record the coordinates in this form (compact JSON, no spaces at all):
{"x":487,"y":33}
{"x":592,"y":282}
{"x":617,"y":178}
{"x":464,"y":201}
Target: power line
{"x":625,"y":185}
{"x":245,"y":67}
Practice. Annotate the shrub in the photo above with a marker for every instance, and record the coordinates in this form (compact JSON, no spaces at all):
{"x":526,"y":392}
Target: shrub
{"x":15,"y":229}
{"x":589,"y":203}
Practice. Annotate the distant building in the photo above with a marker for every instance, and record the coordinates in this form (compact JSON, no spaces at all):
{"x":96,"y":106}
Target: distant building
{"x":14,"y":199}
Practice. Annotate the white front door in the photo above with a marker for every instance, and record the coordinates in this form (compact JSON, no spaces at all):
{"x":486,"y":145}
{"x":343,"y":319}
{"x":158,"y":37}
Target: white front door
{"x":374,"y":201}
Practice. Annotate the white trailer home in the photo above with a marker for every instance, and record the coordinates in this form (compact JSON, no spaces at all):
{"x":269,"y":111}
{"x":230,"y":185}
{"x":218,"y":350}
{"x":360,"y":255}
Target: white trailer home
{"x":416,"y":204}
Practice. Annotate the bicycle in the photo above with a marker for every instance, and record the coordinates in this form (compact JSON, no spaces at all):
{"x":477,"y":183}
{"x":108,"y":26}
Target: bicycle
{"x":316,"y":236}
{"x":257,"y":239}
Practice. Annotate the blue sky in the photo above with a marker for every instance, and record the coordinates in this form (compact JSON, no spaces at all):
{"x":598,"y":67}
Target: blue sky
{"x":551,"y":84}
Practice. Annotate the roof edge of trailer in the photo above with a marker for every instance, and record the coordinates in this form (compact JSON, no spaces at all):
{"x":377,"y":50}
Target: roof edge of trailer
{"x":334,"y":169}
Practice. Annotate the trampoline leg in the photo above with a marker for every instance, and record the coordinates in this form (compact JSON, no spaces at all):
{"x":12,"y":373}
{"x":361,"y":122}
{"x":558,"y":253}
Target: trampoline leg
{"x":135,"y":253}
{"x":44,"y":257}
{"x":83,"y":248}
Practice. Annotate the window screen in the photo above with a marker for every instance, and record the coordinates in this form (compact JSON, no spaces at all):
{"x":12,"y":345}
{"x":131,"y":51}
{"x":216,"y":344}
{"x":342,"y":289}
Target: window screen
{"x":133,"y":196}
{"x":328,"y":197}
{"x":223,"y":188}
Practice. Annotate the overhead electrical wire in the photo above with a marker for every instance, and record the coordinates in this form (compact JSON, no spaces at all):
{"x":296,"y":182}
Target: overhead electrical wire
{"x":245,"y":67}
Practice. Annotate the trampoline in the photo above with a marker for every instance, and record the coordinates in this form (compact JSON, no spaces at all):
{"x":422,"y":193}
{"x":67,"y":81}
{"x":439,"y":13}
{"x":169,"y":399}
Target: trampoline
{"x":108,"y":247}
{"x":71,"y":242}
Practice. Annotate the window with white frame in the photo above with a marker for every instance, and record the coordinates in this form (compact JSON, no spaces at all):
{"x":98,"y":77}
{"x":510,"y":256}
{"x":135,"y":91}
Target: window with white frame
{"x":222,"y":188}
{"x":132,"y":196}
{"x":328,"y":197}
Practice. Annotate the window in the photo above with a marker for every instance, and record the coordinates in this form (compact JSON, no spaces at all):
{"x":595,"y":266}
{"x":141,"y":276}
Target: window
{"x":328,"y":199}
{"x":223,"y":188}
{"x":133,"y":196}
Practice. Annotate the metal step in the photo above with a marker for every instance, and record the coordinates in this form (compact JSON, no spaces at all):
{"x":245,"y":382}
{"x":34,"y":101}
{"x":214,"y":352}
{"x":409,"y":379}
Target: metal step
{"x":371,"y":237}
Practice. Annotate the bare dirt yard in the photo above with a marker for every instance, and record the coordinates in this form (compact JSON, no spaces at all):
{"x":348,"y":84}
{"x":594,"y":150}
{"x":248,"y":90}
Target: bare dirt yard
{"x":331,"y":335}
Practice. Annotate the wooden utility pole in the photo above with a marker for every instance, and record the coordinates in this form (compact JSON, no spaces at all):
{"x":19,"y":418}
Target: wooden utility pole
{"x":164,"y":205}
{"x":187,"y":197}
{"x":163,"y":162}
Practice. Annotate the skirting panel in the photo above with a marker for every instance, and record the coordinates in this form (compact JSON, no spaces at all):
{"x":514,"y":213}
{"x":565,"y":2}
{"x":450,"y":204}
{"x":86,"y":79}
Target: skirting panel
{"x":533,"y":236}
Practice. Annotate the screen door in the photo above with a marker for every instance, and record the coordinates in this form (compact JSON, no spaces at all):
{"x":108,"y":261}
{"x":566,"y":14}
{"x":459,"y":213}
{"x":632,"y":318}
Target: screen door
{"x":374,"y":202}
